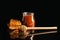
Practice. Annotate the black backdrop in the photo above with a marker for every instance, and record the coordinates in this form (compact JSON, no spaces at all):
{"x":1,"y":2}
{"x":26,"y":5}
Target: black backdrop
{"x":44,"y":15}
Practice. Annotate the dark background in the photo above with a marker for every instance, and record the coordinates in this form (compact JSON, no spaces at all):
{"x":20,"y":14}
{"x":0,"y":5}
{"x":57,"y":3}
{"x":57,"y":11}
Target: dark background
{"x":45,"y":15}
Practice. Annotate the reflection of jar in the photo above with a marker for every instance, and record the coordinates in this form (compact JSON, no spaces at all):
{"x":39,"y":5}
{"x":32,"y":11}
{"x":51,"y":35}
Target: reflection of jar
{"x":28,"y":19}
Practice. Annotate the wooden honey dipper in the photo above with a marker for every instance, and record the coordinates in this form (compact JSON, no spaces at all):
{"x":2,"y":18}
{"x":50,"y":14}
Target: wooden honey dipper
{"x":23,"y":27}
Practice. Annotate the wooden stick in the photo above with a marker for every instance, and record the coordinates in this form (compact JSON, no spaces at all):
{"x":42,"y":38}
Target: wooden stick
{"x":41,"y":28}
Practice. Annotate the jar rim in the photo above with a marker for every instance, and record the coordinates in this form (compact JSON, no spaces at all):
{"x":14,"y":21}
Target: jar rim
{"x":28,"y":13}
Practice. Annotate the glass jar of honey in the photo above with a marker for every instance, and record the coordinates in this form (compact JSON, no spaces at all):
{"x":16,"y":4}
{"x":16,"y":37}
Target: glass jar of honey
{"x":28,"y":19}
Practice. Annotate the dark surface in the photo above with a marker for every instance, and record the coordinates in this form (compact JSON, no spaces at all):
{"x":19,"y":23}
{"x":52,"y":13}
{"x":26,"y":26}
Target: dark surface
{"x":44,"y":16}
